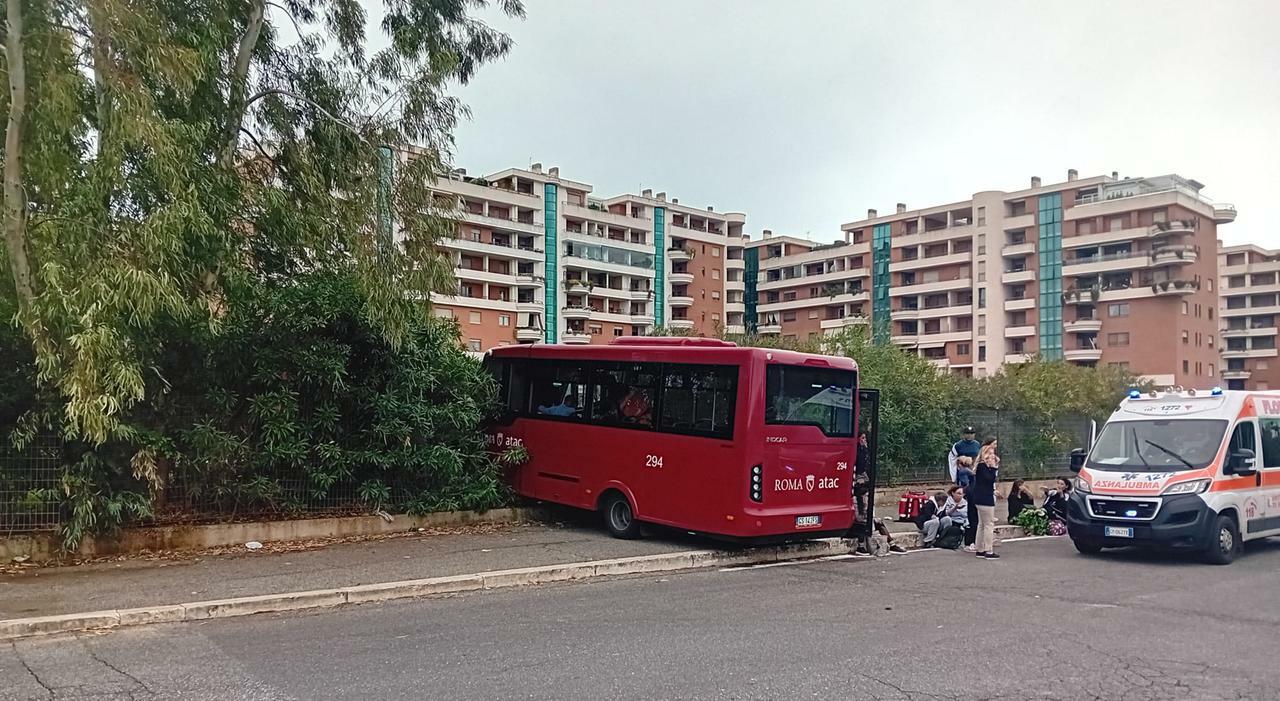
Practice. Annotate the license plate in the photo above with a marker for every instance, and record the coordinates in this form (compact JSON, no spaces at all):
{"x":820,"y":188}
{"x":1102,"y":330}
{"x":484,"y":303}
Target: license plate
{"x":1118,"y":532}
{"x":808,"y":521}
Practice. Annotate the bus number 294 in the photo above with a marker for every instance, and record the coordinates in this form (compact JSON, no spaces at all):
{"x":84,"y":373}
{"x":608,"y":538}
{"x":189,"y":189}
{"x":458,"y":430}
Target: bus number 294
{"x":653,"y":461}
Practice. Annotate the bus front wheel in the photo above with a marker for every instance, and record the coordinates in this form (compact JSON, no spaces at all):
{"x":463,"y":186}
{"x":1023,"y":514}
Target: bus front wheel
{"x":619,"y":517}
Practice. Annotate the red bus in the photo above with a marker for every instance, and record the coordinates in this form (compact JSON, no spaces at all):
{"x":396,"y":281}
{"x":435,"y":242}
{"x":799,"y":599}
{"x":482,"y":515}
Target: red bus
{"x":697,"y":434}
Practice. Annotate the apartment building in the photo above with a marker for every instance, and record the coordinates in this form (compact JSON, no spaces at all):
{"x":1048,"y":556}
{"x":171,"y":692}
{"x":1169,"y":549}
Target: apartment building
{"x":539,"y":259}
{"x":1248,"y":309}
{"x":1099,"y":270}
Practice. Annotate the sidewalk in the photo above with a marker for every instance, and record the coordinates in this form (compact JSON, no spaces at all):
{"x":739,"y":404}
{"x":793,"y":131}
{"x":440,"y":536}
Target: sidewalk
{"x":136,"y":583}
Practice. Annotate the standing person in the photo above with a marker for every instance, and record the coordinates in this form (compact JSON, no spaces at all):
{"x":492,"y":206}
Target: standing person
{"x":862,"y":476}
{"x":968,"y":447}
{"x":983,"y":495}
{"x":1019,"y":498}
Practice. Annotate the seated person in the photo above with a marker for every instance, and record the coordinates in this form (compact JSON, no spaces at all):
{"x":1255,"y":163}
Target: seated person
{"x":635,"y":407}
{"x":957,"y":507}
{"x":568,"y":406}
{"x":928,"y":520}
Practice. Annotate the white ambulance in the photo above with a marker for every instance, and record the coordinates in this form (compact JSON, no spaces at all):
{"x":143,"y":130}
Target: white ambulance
{"x":1192,"y":470}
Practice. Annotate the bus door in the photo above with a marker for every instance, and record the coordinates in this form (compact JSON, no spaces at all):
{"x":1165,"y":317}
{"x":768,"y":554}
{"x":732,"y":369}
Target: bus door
{"x":864,"y":491}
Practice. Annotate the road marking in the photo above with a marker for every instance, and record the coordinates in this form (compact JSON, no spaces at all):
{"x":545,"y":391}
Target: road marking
{"x":1027,"y":537}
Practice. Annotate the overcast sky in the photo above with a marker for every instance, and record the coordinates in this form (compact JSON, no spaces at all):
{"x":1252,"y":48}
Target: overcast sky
{"x":804,"y":114}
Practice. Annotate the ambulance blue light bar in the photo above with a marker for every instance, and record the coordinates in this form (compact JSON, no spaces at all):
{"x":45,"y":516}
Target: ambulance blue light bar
{"x":1216,"y":391}
{"x":1135,"y":394}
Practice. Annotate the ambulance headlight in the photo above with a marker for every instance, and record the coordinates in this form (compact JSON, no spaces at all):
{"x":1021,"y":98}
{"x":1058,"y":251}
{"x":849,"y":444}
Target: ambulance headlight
{"x":1082,"y":486}
{"x":1191,"y":487}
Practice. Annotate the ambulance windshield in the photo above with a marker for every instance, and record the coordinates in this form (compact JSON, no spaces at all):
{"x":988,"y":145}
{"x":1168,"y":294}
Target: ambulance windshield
{"x":1160,"y":445}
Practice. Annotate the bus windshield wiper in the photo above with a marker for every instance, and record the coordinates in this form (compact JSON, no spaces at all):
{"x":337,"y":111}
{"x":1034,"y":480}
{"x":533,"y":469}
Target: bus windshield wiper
{"x":1172,"y":454}
{"x":1138,"y":449}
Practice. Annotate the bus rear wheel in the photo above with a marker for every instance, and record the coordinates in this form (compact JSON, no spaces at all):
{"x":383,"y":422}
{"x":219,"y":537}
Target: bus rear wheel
{"x":619,"y":517}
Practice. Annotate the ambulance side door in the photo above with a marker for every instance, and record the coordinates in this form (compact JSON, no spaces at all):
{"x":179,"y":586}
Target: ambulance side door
{"x":1266,"y":517}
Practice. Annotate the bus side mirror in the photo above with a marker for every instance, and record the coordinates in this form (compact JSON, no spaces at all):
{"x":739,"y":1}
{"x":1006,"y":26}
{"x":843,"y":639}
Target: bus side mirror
{"x":1077,"y":459}
{"x":1241,"y":463}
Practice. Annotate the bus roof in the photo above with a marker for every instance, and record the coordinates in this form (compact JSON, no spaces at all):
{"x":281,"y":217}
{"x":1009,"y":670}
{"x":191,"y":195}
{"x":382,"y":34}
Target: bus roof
{"x":671,"y":349}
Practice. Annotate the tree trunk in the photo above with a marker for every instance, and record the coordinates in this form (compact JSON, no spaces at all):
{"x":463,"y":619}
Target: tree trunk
{"x":15,"y":196}
{"x":236,"y":103}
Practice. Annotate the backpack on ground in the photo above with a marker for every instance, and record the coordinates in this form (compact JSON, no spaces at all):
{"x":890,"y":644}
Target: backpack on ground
{"x":950,"y":539}
{"x":909,"y":505}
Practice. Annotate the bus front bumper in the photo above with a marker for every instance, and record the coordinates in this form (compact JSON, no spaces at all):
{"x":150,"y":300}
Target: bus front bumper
{"x":1182,"y":521}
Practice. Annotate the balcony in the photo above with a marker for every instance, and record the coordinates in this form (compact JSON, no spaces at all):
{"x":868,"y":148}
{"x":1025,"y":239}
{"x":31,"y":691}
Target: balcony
{"x":644,"y":319}
{"x":1025,"y":248}
{"x":1019,"y":331}
{"x":1026,"y":220}
{"x":1082,"y":326}
{"x":940,"y":363}
{"x":529,"y":335}
{"x":1240,"y":353}
{"x":1105,"y":263}
{"x":919,"y":288}
{"x":1017,"y":358}
{"x":1224,"y":214}
{"x":1019,"y":304}
{"x":680,"y":301}
{"x":1174,"y":288}
{"x":1016,"y":276}
{"x":532,"y":306}
{"x":680,"y":323}
{"x":576,"y":312}
{"x":735,"y":329}
{"x":771,"y":328}
{"x":677,"y":255}
{"x":639,"y":295}
{"x":1172,"y":228}
{"x":1176,"y":255}
{"x":683,"y":278}
{"x":529,"y":280}
{"x":1253,"y":331}
{"x":1236,"y":374}
{"x":735,"y":264}
{"x":905,"y":314}
{"x":832,"y":325}
{"x":575,"y":338}
{"x":1083,"y":355}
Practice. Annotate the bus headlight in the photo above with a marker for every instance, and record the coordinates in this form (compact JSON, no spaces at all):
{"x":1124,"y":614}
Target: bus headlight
{"x":757,"y":484}
{"x":1189,"y":487}
{"x":1082,"y":486}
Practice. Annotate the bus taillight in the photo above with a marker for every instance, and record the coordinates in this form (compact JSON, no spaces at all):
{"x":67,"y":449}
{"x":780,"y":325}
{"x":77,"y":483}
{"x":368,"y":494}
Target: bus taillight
{"x":757,"y":480}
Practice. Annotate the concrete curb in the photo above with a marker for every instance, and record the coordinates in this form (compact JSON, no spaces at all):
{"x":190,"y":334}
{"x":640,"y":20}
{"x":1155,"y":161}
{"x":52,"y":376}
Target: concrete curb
{"x":387,"y":591}
{"x":408,"y":589}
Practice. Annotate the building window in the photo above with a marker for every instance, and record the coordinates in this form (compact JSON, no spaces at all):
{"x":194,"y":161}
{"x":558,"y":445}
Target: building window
{"x":982,"y":352}
{"x":1210,"y":338}
{"x":1199,"y":368}
{"x":1186,"y":367}
{"x":1197,"y":311}
{"x":715,"y":253}
{"x":1185,"y":307}
{"x":788,"y":316}
{"x":474,"y":317}
{"x":617,"y":331}
{"x":715,"y":294}
{"x":982,"y":216}
{"x":982,"y":298}
{"x":813,"y":313}
{"x":474,"y":345}
{"x":1211,"y":369}
{"x":1084,"y":226}
{"x":1121,"y":309}
{"x":1210,"y":312}
{"x":1186,"y":336}
{"x":596,"y":330}
{"x":475,"y":234}
{"x":1209,"y":282}
{"x":444,"y":313}
{"x":1116,"y":340}
{"x":962,"y":349}
{"x":1123,"y":365}
{"x":1159,"y":215}
{"x":715,"y":272}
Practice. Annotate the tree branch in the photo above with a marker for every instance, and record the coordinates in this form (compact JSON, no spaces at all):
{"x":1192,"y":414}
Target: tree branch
{"x":239,"y":82}
{"x":302,"y":98}
{"x":296,"y":27}
{"x":16,"y":207}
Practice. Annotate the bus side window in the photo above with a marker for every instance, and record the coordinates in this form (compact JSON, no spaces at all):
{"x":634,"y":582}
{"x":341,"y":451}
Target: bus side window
{"x":1270,"y":442}
{"x":699,"y":399}
{"x":514,"y":393}
{"x":623,"y":394}
{"x":557,"y":389}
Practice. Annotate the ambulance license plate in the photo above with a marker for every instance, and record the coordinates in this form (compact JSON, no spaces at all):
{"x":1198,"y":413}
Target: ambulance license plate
{"x":808,"y":521}
{"x":1118,"y":532}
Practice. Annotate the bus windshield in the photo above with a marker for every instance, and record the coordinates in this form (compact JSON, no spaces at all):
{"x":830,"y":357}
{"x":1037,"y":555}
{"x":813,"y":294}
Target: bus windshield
{"x":1163,"y":445}
{"x":809,"y":396}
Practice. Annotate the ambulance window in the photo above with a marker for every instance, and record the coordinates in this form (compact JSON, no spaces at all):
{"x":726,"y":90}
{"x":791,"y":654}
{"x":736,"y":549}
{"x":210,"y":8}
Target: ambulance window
{"x":1243,"y":437}
{"x":1270,"y":442}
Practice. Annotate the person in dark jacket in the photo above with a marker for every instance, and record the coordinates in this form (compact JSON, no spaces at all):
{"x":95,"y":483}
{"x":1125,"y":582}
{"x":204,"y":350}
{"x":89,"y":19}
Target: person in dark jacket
{"x":1019,"y":498}
{"x":1055,"y":505}
{"x":982,"y":493}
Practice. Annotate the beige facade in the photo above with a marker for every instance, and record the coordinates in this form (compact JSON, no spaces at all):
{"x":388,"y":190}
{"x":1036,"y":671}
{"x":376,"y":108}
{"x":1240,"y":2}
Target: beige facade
{"x":1248,"y":310}
{"x":539,"y":259}
{"x":1098,"y":271}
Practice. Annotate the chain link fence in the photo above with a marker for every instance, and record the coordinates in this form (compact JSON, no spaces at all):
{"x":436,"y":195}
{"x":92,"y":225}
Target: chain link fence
{"x":27,"y":478}
{"x":1028,"y":449}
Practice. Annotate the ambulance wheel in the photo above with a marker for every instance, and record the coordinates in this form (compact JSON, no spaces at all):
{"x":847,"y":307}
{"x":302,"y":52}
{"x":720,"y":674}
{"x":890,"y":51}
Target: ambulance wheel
{"x":619,"y":517}
{"x":1087,"y":547}
{"x":1224,"y":544}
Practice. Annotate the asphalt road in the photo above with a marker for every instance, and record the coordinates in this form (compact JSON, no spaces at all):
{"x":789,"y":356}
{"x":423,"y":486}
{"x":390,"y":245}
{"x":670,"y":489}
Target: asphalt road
{"x":1042,"y":622}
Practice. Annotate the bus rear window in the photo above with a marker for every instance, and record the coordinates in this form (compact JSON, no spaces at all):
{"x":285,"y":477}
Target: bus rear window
{"x":807,"y":396}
